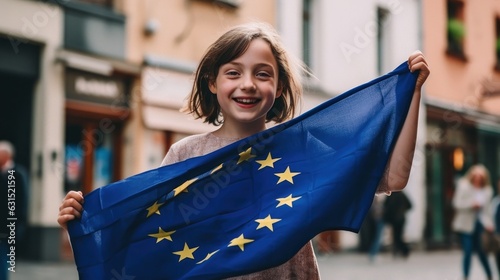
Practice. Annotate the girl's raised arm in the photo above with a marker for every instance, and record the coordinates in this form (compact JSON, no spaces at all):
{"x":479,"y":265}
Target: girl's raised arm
{"x":399,"y":165}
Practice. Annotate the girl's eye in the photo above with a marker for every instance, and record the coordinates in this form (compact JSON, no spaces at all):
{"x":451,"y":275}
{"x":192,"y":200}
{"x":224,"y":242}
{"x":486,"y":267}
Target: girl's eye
{"x":232,"y":73}
{"x":263,"y":74}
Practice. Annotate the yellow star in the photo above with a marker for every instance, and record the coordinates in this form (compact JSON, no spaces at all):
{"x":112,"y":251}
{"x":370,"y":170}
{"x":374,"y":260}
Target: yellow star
{"x":209,"y":255}
{"x":268,"y":162}
{"x":162,"y":235}
{"x":286,"y":176}
{"x":154,"y":209}
{"x":267,"y":222}
{"x":184,"y":186}
{"x":240,"y":241}
{"x":287,"y":200}
{"x":217,"y":168}
{"x":245,"y":156}
{"x":186,"y":252}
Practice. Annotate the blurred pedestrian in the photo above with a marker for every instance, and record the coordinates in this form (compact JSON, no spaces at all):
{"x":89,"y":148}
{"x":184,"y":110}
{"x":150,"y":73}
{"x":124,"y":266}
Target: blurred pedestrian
{"x":395,"y":207}
{"x":472,"y":195}
{"x":377,"y":214}
{"x":14,"y":184}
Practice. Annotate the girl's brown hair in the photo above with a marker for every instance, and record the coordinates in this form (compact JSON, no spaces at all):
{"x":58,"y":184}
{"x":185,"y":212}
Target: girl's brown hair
{"x":203,"y":104}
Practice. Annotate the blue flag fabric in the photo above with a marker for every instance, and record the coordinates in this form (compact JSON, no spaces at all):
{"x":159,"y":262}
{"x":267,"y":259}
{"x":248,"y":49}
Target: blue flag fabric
{"x":250,"y":205}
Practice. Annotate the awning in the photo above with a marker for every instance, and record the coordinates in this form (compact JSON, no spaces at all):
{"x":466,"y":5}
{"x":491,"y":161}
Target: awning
{"x":161,"y":118}
{"x":479,"y":119}
{"x":99,"y":65}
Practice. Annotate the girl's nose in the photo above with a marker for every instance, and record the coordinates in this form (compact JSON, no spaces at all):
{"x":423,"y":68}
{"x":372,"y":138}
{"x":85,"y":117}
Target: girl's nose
{"x":247,"y":84}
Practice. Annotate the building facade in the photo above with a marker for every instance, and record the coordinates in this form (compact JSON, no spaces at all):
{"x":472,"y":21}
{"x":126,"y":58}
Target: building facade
{"x":32,"y":107}
{"x":68,"y":91}
{"x":462,"y":102}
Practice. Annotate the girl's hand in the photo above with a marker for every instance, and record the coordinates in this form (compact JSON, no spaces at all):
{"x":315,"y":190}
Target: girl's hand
{"x":71,"y":208}
{"x":417,"y":62}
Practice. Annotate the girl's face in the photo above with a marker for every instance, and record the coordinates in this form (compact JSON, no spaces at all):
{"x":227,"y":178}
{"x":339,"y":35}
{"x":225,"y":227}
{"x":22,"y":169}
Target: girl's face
{"x":247,"y":86}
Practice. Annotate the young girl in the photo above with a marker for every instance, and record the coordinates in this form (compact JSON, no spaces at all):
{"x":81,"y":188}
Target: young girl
{"x":245,"y":80}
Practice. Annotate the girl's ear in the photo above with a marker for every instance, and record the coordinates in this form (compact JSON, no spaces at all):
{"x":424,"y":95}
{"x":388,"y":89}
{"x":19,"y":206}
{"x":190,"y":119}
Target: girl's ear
{"x":212,"y":87}
{"x":279,"y":91}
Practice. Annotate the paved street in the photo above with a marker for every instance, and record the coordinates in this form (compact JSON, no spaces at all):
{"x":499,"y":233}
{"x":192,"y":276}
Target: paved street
{"x":442,"y":265}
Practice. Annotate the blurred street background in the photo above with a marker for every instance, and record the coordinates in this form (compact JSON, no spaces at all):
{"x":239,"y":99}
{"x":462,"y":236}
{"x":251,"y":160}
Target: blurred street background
{"x":439,"y":265}
{"x":92,"y":91}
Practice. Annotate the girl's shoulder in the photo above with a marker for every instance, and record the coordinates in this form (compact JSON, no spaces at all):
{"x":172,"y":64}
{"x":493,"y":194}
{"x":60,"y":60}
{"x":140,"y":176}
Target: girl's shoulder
{"x":194,"y":146}
{"x":189,"y":141}
{"x":184,"y":149}
{"x":202,"y":143}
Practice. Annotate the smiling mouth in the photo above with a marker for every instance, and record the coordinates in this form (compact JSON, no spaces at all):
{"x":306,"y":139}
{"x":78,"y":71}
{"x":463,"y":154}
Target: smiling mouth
{"x":246,"y":100}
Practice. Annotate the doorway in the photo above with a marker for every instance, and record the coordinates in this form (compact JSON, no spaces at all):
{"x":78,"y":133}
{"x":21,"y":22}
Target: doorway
{"x":92,"y":155}
{"x":16,"y":114}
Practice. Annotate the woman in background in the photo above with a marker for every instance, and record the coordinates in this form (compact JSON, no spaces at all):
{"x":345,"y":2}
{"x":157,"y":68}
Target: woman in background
{"x":472,"y":196}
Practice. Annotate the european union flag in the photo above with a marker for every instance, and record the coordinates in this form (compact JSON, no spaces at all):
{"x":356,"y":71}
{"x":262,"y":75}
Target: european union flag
{"x":253,"y":204}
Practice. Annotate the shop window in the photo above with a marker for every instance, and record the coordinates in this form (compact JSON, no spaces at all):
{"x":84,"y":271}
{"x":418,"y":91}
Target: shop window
{"x":456,"y":29}
{"x":91,"y":156}
{"x":306,"y":32}
{"x":383,"y":40}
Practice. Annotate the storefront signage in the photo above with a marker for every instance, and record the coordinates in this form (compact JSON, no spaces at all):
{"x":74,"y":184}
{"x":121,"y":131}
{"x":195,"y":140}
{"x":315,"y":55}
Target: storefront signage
{"x":89,"y":87}
{"x":97,"y":88}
